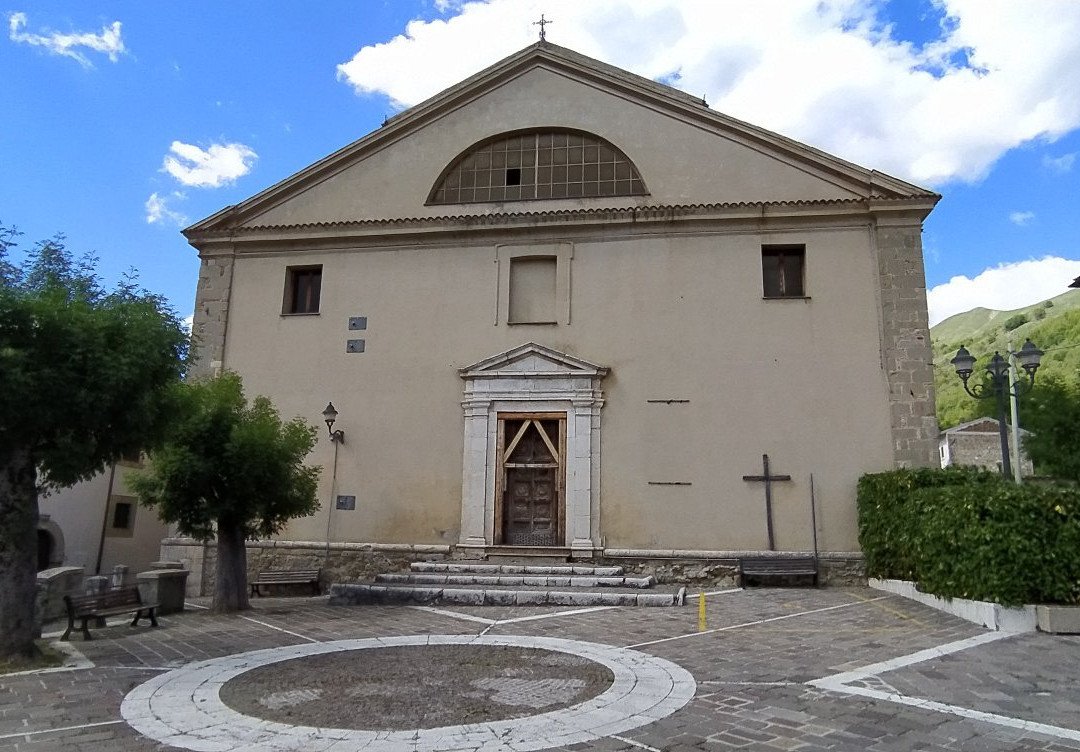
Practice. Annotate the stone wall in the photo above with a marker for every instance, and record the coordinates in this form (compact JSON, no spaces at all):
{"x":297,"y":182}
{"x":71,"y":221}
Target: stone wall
{"x":341,"y":562}
{"x":210,"y":323}
{"x":355,"y":562}
{"x":833,"y":569}
{"x":982,"y":449}
{"x":906,"y":351}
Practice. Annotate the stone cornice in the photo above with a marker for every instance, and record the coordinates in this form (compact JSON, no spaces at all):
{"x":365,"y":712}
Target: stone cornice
{"x":670,"y":217}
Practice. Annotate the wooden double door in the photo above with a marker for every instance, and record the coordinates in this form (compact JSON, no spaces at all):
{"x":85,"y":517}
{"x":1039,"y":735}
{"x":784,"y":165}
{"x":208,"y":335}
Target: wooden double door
{"x":532,"y":479}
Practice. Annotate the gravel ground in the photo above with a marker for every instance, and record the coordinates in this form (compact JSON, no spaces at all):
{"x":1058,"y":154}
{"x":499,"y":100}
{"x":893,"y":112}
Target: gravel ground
{"x":417,"y":687}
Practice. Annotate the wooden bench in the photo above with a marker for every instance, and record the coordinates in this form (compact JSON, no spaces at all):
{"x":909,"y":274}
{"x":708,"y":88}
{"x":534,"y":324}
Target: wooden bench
{"x":122,"y":601}
{"x":775,"y":566}
{"x":285,"y":577}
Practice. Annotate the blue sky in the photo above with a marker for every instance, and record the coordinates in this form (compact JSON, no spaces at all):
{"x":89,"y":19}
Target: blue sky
{"x":125,"y":121}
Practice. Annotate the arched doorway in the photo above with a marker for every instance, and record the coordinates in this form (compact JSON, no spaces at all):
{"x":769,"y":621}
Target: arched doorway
{"x":45,"y":546}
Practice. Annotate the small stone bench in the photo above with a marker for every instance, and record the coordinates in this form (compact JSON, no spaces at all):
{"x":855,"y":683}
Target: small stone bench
{"x":769,"y":567}
{"x":99,"y":605}
{"x":285,"y":577}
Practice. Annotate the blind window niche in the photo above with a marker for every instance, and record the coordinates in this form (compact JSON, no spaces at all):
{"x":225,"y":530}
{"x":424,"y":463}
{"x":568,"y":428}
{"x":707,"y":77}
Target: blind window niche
{"x":532,"y":293}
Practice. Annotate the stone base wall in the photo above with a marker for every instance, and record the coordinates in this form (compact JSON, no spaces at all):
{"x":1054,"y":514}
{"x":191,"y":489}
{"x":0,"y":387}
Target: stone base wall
{"x":355,"y":562}
{"x":340,"y":562}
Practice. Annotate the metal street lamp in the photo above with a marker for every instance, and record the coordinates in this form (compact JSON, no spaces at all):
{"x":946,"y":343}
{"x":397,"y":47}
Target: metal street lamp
{"x":330,"y":416}
{"x":998,"y":369}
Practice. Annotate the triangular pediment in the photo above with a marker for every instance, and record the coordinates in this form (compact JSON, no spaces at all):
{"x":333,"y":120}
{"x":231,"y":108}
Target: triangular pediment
{"x":531,"y":359}
{"x":688,"y":154}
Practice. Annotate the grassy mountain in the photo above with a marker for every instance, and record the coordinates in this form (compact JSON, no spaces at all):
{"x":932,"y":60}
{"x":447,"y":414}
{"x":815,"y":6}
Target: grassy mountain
{"x":1053,"y":325}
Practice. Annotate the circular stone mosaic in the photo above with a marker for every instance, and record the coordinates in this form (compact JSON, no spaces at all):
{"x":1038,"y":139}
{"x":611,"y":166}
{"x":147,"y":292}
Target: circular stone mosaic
{"x":415,"y":687}
{"x":516,"y":692}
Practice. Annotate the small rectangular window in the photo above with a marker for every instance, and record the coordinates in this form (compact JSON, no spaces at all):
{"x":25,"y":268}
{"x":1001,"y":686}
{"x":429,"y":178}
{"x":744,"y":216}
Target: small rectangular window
{"x":782,"y":270}
{"x":532,"y":290}
{"x":303,"y":288}
{"x":121,"y":515}
{"x":513,"y":176}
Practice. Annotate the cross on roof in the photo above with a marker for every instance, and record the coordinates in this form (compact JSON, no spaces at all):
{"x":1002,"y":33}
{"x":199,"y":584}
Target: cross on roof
{"x":542,"y":23}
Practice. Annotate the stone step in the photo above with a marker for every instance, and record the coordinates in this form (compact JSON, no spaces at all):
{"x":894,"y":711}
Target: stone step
{"x":514,"y":580}
{"x":522,"y":569}
{"x":348,"y":594}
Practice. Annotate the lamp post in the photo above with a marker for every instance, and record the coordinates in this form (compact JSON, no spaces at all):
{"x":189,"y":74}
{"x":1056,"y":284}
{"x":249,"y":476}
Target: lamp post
{"x":330,"y":416}
{"x":998,"y":369}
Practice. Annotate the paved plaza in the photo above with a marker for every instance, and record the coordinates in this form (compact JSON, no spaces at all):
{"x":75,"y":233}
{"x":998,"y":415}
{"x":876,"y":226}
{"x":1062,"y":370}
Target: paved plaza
{"x":774,"y":669}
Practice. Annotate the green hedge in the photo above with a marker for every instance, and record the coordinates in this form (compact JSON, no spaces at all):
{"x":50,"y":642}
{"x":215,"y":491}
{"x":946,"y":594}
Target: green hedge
{"x":966,"y":533}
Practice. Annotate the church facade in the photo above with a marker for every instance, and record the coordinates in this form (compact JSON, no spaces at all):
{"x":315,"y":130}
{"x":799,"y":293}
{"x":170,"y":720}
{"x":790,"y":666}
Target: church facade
{"x":561,"y":307}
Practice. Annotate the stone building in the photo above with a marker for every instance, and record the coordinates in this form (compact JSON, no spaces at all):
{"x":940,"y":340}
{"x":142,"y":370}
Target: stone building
{"x":565,"y":308}
{"x":978,"y":443}
{"x":97,"y":524}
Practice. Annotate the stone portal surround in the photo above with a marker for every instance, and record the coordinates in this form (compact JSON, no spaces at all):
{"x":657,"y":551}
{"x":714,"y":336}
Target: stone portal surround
{"x":183,"y":708}
{"x":532,"y":379}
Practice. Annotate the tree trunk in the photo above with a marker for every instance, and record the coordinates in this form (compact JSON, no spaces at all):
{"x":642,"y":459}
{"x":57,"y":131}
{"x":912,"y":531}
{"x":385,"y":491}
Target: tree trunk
{"x":18,"y":556}
{"x":230,"y":583}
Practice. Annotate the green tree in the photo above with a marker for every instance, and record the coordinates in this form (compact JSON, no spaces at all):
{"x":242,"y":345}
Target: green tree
{"x":1052,"y":413}
{"x":230,"y":470}
{"x":86,"y":377}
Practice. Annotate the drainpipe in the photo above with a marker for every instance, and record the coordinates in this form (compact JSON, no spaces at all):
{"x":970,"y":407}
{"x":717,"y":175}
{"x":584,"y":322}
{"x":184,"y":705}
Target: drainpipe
{"x":105,"y":520}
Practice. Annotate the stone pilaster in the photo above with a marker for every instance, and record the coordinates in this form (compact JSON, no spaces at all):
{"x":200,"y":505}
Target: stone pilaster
{"x":211,"y":320}
{"x":907,"y":356}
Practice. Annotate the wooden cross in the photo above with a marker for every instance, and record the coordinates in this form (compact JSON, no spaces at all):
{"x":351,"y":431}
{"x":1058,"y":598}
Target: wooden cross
{"x":542,"y":23}
{"x":768,"y":479}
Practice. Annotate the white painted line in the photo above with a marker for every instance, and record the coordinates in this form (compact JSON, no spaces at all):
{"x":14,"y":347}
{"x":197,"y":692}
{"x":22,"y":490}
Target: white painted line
{"x":975,"y":715}
{"x":555,"y":614}
{"x":624,"y":740}
{"x":456,"y":615}
{"x":279,"y":629}
{"x":58,"y":730}
{"x":874,"y":669}
{"x":715,"y":592}
{"x":196,"y":605}
{"x":841,"y":683}
{"x":184,"y":708}
{"x":749,"y":683}
{"x":757,"y":623}
{"x":515,"y":620}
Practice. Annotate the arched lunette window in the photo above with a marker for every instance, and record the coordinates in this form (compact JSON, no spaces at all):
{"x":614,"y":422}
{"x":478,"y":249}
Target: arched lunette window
{"x":541,"y":164}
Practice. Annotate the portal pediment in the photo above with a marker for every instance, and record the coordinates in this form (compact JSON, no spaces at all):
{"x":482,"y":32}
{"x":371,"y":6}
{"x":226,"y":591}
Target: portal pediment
{"x":534,"y":360}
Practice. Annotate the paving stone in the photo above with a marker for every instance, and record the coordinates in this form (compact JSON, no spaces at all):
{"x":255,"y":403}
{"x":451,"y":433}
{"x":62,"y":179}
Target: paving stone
{"x":750,"y":671}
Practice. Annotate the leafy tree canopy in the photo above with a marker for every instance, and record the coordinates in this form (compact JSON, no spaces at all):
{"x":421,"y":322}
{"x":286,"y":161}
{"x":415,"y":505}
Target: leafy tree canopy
{"x":87,"y":376}
{"x":228,"y":462}
{"x":1052,"y":413}
{"x":87,"y":373}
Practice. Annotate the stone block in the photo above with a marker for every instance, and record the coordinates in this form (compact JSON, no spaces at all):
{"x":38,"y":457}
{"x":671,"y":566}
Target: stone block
{"x":655,"y":599}
{"x":563,"y":599}
{"x":1058,"y":619}
{"x":423,"y":595}
{"x":165,"y":587}
{"x":500,"y":598}
{"x":530,"y":598}
{"x":464,"y":596}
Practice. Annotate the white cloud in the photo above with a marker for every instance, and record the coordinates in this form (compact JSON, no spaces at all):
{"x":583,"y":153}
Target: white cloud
{"x":828,"y":72}
{"x":218,"y":165}
{"x":1060,"y":165}
{"x":108,"y":42}
{"x":1021,"y":218}
{"x":1004,"y":287}
{"x":157,"y":210}
{"x":187,"y":322}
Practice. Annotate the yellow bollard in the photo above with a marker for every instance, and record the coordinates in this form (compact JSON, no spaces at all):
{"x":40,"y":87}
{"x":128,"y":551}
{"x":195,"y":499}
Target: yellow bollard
{"x":701,"y":612}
